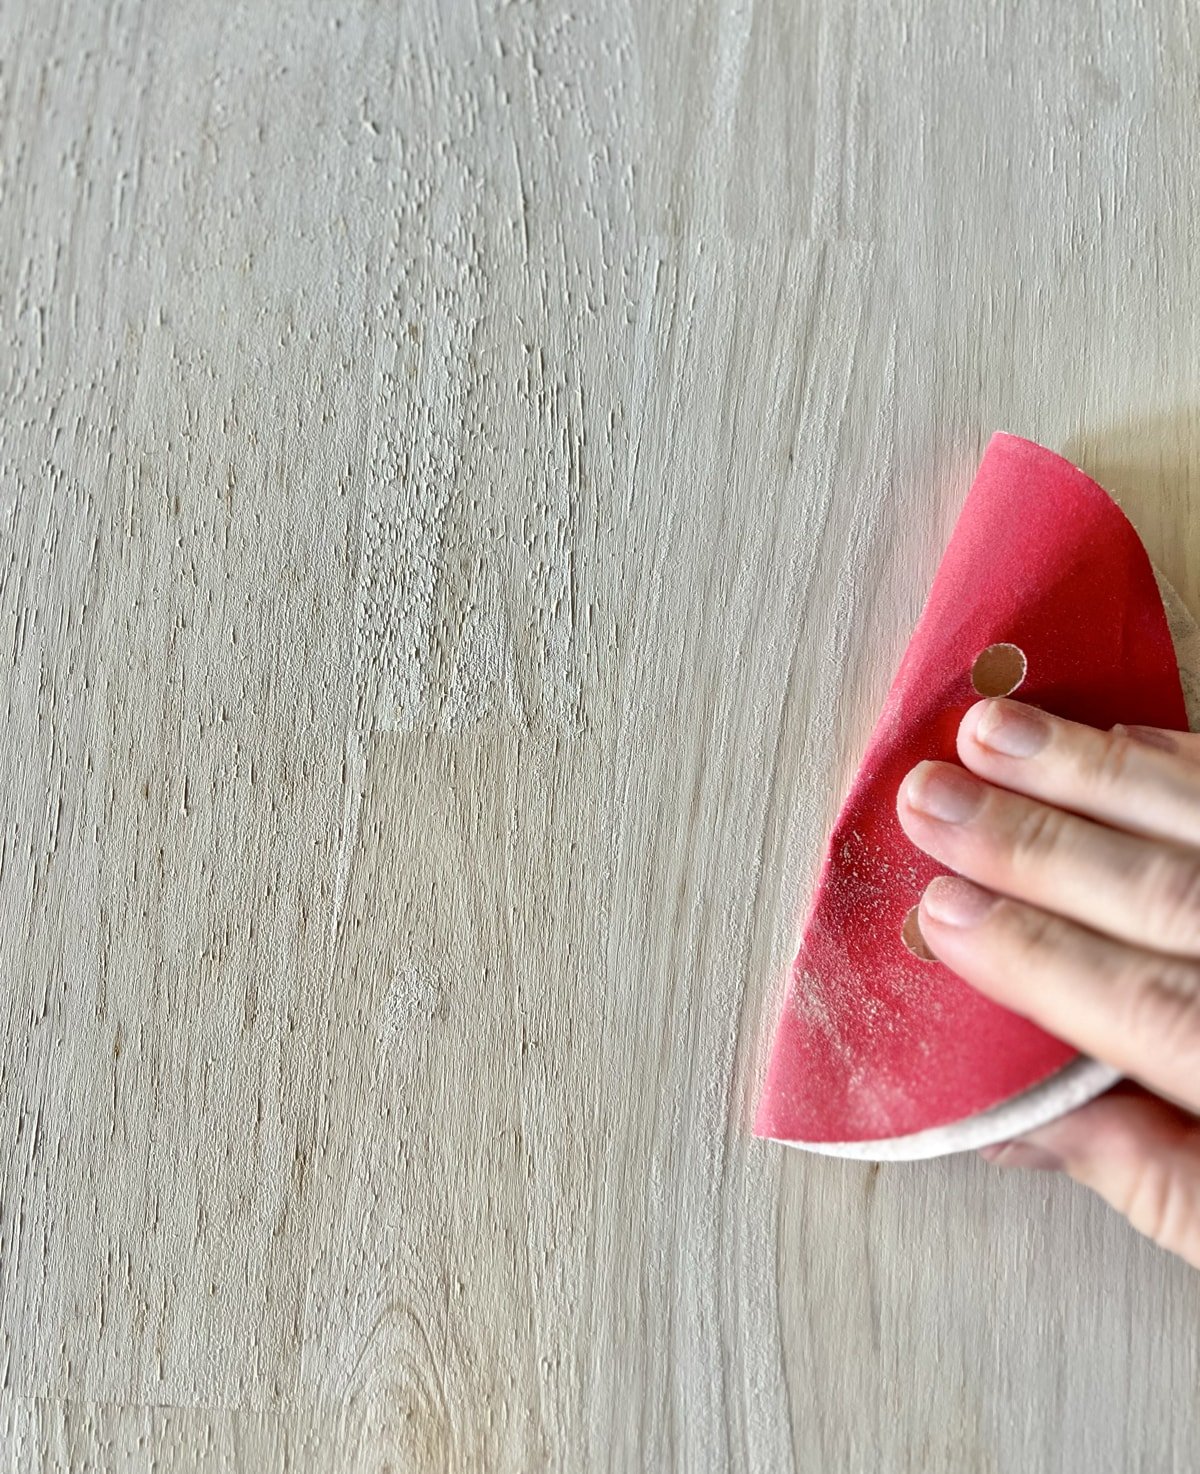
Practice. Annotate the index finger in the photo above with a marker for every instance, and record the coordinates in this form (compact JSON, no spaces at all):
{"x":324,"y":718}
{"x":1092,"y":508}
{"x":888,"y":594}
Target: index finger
{"x":1152,"y":790}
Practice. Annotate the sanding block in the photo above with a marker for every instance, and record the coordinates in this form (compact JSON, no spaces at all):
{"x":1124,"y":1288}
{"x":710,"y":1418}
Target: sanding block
{"x":1046,"y":593}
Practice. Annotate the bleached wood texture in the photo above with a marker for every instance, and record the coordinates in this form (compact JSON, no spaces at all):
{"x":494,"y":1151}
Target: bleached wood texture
{"x":467,"y":473}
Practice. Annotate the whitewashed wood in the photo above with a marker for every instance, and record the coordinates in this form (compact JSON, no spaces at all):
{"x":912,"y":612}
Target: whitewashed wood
{"x":467,"y":472}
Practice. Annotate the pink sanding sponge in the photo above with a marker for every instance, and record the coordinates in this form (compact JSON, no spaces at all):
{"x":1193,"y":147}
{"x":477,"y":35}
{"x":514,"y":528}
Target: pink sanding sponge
{"x":875,"y":1044}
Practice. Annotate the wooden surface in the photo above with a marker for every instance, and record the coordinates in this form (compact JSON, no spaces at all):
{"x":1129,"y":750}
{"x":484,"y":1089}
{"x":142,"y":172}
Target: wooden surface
{"x":467,"y":472}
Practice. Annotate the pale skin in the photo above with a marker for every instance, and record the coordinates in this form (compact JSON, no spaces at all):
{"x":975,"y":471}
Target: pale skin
{"x":1076,"y":902}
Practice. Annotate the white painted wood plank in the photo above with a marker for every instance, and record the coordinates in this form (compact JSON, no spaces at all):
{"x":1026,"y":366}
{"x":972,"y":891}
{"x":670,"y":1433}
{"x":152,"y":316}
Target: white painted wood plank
{"x":466,"y":474}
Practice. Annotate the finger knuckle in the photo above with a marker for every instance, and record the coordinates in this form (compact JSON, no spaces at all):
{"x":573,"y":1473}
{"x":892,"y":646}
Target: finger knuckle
{"x":1172,"y":902}
{"x":1158,"y":1203}
{"x":1162,"y":1017}
{"x":1104,"y":761}
{"x":1037,"y":832}
{"x":1034,"y":932}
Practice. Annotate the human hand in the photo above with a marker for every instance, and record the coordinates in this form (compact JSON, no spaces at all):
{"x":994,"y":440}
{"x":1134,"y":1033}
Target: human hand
{"x":1079,"y":907}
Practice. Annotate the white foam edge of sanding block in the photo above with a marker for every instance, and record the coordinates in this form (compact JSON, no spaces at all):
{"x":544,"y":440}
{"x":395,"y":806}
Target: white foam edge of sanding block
{"x":1077,"y":1082}
{"x":1067,"y":1089}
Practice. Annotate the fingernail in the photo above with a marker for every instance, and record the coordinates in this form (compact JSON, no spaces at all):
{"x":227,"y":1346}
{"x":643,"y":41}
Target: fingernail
{"x":1014,"y":730}
{"x":1148,"y":737}
{"x":956,"y":902}
{"x":943,"y":792}
{"x":1024,"y":1154}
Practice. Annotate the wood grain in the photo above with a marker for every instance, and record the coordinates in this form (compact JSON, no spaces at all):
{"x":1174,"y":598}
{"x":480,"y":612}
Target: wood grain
{"x":467,"y":472}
